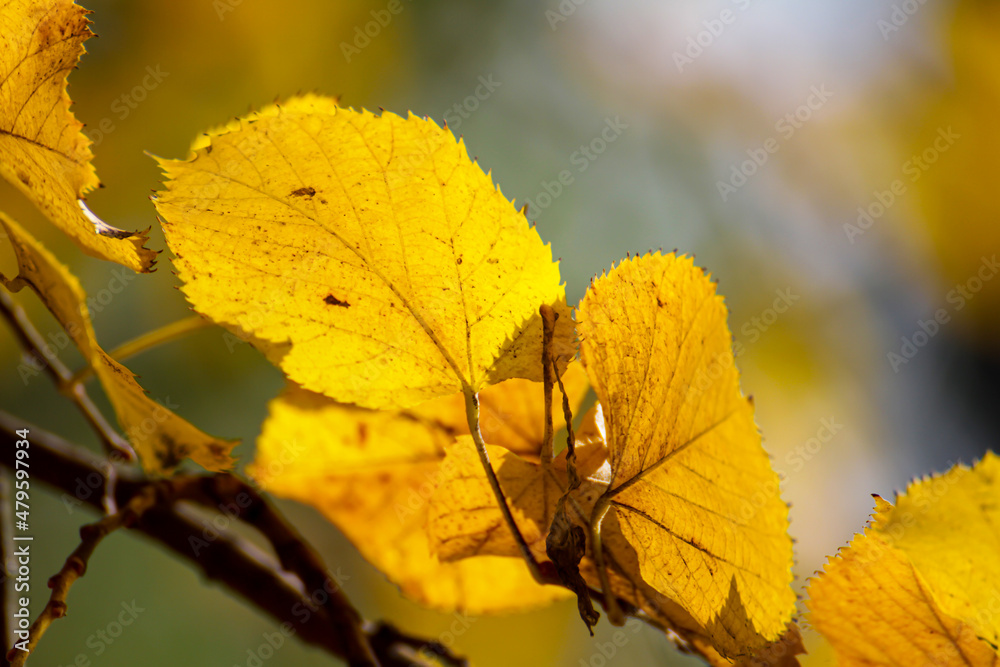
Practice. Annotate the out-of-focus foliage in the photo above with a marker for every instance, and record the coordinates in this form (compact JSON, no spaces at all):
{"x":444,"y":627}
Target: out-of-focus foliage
{"x":956,"y":186}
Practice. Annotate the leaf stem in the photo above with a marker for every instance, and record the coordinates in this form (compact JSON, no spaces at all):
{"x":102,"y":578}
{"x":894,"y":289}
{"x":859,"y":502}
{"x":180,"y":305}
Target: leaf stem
{"x":615,"y":616}
{"x":33,"y":343}
{"x":472,"y":415}
{"x":150,"y":339}
{"x":574,"y":477}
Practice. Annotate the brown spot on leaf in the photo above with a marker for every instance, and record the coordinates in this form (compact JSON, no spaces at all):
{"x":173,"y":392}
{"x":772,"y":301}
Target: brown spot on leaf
{"x":331,"y":300}
{"x":304,"y":192}
{"x":492,"y":260}
{"x":114,"y":232}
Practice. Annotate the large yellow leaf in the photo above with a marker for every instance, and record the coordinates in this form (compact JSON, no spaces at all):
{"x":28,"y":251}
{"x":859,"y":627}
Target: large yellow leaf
{"x":691,"y":488}
{"x":42,"y":150}
{"x":366,"y":255}
{"x":512,"y":413}
{"x":372,"y":474}
{"x":160,"y":437}
{"x":921,"y":585}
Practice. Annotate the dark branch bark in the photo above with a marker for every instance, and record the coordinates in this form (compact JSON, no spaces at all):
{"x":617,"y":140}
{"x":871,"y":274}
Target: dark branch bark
{"x":294,"y":553}
{"x":228,"y":559}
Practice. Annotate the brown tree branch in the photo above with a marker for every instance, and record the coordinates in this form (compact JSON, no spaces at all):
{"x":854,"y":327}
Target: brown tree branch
{"x":294,"y":553}
{"x":227,"y":559}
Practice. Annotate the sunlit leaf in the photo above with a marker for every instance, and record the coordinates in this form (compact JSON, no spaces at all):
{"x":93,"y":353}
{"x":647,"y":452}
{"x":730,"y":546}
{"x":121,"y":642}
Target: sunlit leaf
{"x":42,"y":150}
{"x":512,"y":413}
{"x":920,"y":585}
{"x":464,"y":518}
{"x":465,"y":521}
{"x":366,"y":255}
{"x":372,"y":474}
{"x":691,"y":488}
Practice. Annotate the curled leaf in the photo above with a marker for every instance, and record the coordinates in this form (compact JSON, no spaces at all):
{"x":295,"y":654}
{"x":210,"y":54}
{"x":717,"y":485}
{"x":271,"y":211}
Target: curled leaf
{"x":566,"y":545}
{"x":464,"y":519}
{"x":160,"y":437}
{"x":366,"y":255}
{"x":43,"y":153}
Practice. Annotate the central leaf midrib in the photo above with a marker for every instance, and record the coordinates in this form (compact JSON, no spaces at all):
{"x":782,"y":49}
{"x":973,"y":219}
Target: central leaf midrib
{"x":611,"y":493}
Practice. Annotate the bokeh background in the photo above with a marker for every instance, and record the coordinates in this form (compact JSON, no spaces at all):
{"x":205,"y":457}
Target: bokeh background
{"x":855,"y":95}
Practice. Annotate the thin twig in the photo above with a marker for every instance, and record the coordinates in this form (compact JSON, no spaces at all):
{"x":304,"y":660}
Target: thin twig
{"x":226,"y":558}
{"x":156,"y":337}
{"x":76,"y":566}
{"x":615,"y":615}
{"x":33,"y":343}
{"x":549,"y":317}
{"x":566,"y":543}
{"x":6,"y":535}
{"x":472,"y":416}
{"x":574,"y":478}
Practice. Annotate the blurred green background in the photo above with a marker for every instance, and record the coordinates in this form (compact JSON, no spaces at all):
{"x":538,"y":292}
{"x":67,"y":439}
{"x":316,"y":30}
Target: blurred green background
{"x":850,"y":96}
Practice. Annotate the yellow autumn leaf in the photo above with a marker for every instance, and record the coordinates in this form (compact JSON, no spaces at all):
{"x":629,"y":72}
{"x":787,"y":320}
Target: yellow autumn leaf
{"x":366,"y":255}
{"x":464,"y":518}
{"x":512,"y":413}
{"x":42,"y":150}
{"x":160,"y":437}
{"x":465,"y":521}
{"x":947,"y":527}
{"x":920,"y":585}
{"x":876,"y":609}
{"x":372,"y":474}
{"x":691,"y":487}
